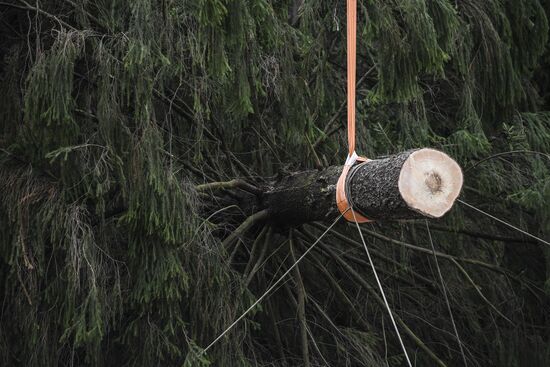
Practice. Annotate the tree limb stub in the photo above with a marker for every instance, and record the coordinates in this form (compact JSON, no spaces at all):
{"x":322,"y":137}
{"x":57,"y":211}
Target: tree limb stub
{"x":413,"y":184}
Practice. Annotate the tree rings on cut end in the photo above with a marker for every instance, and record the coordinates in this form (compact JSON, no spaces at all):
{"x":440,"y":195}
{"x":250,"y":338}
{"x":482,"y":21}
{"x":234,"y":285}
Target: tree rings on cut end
{"x":430,"y":181}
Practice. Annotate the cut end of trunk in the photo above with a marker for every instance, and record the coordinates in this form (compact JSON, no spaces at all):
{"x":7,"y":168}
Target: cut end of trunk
{"x":429,"y":182}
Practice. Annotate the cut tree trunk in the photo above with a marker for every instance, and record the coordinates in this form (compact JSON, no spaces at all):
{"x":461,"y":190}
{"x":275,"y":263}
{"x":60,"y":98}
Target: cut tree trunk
{"x":413,"y":184}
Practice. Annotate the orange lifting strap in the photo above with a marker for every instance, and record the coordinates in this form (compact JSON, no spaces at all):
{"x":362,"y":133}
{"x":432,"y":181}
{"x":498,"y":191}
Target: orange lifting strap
{"x":341,"y":196}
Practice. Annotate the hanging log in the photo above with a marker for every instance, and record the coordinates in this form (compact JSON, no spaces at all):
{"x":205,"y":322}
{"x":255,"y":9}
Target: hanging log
{"x":412,"y":184}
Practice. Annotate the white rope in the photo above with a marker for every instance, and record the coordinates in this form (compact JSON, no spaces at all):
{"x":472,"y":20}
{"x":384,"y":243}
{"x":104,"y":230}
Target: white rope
{"x":505,"y":223}
{"x":381,"y":290}
{"x":271,"y":287}
{"x":446,"y":297}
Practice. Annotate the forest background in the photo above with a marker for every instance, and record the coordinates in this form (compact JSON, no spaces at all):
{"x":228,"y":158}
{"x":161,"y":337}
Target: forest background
{"x":113,"y":113}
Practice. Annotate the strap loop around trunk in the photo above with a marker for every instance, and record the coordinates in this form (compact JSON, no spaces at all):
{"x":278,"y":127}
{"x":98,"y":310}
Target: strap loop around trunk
{"x":342,"y":201}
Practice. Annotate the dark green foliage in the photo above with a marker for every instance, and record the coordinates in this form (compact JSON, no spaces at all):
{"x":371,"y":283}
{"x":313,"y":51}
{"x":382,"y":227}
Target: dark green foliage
{"x":112,"y":111}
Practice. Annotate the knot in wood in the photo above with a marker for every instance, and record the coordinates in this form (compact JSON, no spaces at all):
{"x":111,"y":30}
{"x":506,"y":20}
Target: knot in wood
{"x":433,"y":181}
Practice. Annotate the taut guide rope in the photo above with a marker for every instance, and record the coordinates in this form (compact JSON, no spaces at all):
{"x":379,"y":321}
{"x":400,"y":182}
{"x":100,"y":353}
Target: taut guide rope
{"x":382,"y":292}
{"x":446,"y":297}
{"x":505,"y":223}
{"x":271,"y":287}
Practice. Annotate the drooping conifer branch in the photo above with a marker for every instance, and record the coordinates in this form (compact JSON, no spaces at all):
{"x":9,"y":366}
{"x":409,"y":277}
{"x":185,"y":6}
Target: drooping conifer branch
{"x":106,"y":253}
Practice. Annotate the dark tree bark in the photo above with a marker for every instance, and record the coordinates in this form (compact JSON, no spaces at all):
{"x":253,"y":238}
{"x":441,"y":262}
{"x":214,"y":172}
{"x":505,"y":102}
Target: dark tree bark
{"x":412,"y":184}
